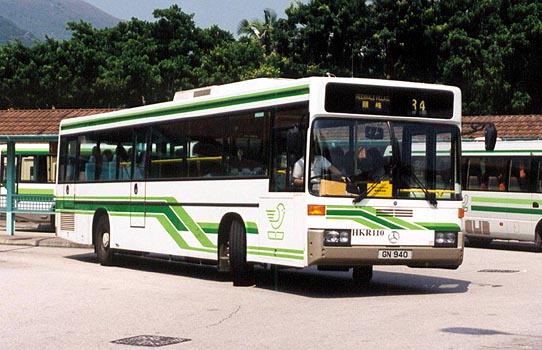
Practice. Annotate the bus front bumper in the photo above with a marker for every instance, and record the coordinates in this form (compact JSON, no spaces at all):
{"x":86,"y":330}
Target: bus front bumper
{"x":350,"y":256}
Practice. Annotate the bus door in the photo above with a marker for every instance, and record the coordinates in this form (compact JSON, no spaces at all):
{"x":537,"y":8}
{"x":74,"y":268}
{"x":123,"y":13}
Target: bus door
{"x":521,"y":202}
{"x":282,"y":212}
{"x":282,"y":229}
{"x":138,"y":184}
{"x":70,"y":174}
{"x":536,"y":192}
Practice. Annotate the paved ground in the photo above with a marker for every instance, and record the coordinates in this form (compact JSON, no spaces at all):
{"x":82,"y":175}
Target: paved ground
{"x":61,"y":298}
{"x":34,"y":234}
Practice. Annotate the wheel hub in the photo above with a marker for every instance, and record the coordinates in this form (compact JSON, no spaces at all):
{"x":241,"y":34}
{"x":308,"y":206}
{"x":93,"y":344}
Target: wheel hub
{"x":105,"y":239}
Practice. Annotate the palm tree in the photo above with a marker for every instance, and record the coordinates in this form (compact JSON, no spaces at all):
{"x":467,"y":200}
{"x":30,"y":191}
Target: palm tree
{"x":259,"y":30}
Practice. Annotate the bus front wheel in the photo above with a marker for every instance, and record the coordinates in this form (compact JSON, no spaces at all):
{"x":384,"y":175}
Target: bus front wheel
{"x":102,"y":242}
{"x":242,"y":272}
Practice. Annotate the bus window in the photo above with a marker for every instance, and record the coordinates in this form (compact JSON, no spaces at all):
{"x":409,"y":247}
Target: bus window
{"x":168,"y":152}
{"x":246,"y":155}
{"x":520,"y":171}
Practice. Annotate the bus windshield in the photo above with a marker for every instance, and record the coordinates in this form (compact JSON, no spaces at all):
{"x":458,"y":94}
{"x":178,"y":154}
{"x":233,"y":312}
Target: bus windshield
{"x":386,"y":159}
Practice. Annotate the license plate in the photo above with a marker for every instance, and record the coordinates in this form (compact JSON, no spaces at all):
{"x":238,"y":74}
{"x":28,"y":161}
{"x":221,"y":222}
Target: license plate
{"x":394,"y":254}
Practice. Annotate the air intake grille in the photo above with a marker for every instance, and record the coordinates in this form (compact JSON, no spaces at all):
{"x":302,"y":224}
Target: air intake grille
{"x":67,"y":222}
{"x":397,"y":213}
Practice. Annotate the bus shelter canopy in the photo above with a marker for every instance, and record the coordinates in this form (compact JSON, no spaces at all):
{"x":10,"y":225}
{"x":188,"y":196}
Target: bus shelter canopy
{"x":18,"y":126}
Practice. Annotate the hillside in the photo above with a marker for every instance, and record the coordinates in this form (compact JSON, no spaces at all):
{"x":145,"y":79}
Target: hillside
{"x":39,"y":18}
{"x":10,"y":31}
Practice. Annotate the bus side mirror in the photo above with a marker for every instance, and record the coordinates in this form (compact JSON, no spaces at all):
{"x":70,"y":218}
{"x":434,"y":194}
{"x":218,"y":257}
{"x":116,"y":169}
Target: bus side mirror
{"x":490,"y":136}
{"x":374,"y":133}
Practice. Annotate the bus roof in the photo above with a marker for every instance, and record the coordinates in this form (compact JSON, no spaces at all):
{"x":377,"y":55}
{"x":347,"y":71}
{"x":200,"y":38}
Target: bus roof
{"x":255,"y":93}
{"x":503,"y":147}
{"x":28,"y":148}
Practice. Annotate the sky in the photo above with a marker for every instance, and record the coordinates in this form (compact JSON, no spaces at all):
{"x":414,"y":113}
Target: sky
{"x":225,"y":13}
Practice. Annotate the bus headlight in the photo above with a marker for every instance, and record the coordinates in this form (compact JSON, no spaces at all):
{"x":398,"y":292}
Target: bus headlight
{"x":445,"y":239}
{"x":337,"y":237}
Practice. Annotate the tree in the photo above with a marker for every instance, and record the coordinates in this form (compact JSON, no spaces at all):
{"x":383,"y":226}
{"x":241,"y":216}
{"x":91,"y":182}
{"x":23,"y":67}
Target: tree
{"x":491,"y":49}
{"x":262,"y":31}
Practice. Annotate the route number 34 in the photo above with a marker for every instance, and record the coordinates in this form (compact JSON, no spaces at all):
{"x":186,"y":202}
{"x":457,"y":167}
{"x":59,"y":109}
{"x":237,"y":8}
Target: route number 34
{"x":418,"y":107}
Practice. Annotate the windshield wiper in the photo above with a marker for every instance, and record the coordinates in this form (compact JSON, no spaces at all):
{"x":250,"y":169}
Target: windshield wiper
{"x":363,"y":194}
{"x":398,"y":165}
{"x":429,"y":196}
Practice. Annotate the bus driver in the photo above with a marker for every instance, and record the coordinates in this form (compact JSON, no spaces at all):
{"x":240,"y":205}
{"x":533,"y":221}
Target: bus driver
{"x":319,"y":165}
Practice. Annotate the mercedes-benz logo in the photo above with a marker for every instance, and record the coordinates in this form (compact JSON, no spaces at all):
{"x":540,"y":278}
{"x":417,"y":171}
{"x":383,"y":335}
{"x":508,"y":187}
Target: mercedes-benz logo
{"x":394,"y":237}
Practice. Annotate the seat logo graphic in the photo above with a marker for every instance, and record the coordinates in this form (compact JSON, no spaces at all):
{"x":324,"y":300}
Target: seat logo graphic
{"x":276,"y":218}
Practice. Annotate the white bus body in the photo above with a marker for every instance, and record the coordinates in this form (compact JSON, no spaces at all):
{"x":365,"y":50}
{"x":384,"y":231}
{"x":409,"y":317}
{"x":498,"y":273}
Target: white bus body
{"x":503,"y":191}
{"x":209,"y":176}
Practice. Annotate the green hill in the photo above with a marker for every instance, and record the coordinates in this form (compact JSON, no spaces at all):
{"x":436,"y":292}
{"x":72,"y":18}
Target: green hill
{"x":40,"y":18}
{"x":9,"y":32}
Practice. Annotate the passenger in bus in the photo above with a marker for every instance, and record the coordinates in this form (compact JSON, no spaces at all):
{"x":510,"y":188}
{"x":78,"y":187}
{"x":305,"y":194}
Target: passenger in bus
{"x":107,"y":155}
{"x":522,"y":179}
{"x":123,"y":162}
{"x":484,"y":179}
{"x":107,"y":163}
{"x":370,"y":165}
{"x":139,"y":169}
{"x":97,"y":159}
{"x":502,"y":186}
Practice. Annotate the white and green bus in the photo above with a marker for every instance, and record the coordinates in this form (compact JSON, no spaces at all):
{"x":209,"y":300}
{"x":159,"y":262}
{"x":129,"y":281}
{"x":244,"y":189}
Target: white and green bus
{"x":503,"y":191}
{"x":35,"y":177}
{"x":209,"y":177}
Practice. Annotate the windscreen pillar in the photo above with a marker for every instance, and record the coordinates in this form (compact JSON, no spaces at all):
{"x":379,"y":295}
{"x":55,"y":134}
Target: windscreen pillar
{"x":10,"y":188}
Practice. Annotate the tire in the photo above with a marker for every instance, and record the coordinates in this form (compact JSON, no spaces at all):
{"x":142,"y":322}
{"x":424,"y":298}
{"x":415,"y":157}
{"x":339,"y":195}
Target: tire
{"x":241,"y":271}
{"x":362,"y":274}
{"x":102,"y":242}
{"x":479,"y":242}
{"x":538,"y":240}
{"x":52,"y":222}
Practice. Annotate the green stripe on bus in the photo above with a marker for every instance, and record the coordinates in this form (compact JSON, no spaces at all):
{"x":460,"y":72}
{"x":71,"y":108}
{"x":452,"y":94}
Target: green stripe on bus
{"x":366,"y":216}
{"x":489,"y":153}
{"x":48,"y":191}
{"x":209,"y":228}
{"x":511,"y":210}
{"x":407,"y":225}
{"x":355,"y":213}
{"x":437,"y":226}
{"x":176,"y":215}
{"x":251,"y":227}
{"x":498,"y":200}
{"x":275,"y":255}
{"x":282,"y":250}
{"x":193,"y":227}
{"x":187,"y":108}
{"x":173,"y":232}
{"x":212,"y":227}
{"x":361,"y":221}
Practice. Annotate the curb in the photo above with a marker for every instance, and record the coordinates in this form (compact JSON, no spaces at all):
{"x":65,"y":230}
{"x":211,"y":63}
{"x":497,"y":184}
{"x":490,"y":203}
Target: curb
{"x":40,"y":241}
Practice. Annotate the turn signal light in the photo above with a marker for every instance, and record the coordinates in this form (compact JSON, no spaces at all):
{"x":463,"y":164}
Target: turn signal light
{"x":316,"y":210}
{"x":460,"y":213}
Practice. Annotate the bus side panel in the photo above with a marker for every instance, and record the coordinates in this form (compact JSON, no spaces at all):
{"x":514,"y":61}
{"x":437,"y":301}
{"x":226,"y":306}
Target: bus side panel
{"x":282,"y":230}
{"x":179,"y":219}
{"x":172,"y":225}
{"x":499,"y":215}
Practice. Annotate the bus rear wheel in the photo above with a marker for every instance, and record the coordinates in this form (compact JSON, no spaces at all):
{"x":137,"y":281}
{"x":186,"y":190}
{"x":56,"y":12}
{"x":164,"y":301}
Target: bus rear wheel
{"x":242,"y":272}
{"x":102,"y":242}
{"x":362,"y":274}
